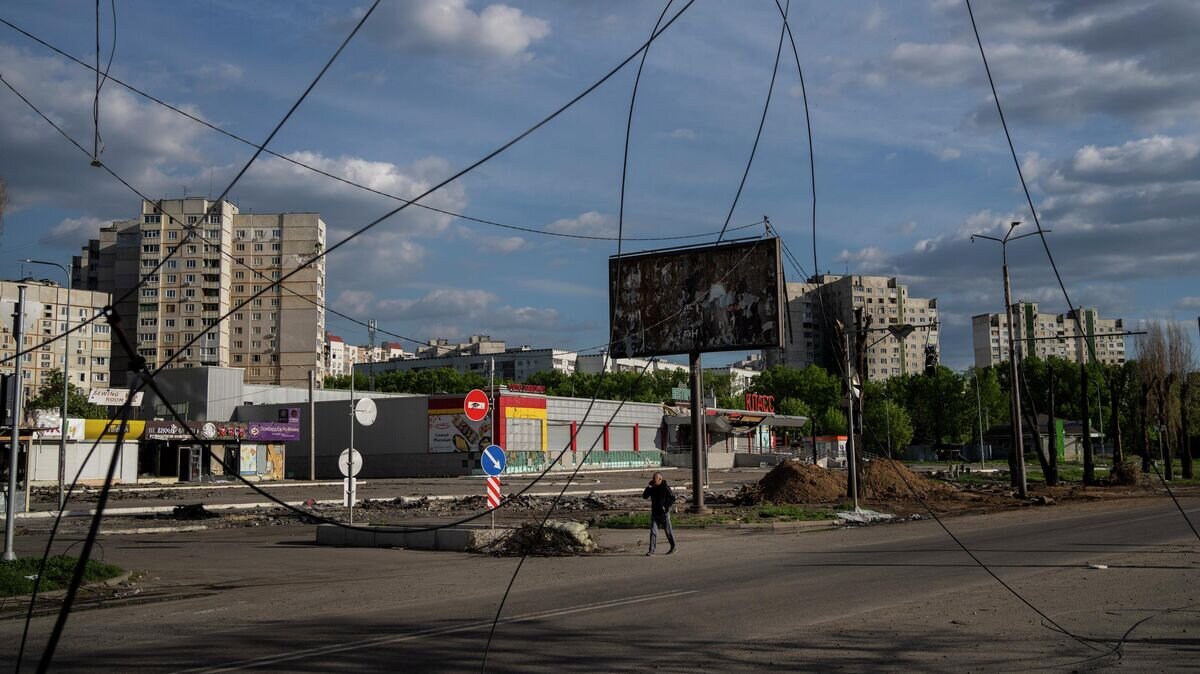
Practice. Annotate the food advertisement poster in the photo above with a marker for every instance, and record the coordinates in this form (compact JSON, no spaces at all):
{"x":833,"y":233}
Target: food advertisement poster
{"x":451,"y":431}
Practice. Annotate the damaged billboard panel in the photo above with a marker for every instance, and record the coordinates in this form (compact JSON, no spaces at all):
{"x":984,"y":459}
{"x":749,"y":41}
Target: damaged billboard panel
{"x":723,"y":297}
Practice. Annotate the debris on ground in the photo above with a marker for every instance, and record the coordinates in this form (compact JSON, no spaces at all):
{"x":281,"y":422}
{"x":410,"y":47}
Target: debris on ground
{"x":796,"y":482}
{"x":863,"y":516}
{"x":1126,"y":473}
{"x":1042,"y":500}
{"x":891,"y":479}
{"x":192,"y":511}
{"x":555,"y":539}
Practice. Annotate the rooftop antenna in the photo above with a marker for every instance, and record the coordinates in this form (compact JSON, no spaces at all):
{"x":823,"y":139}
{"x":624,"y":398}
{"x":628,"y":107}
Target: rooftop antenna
{"x":210,"y":181}
{"x":184,"y":191}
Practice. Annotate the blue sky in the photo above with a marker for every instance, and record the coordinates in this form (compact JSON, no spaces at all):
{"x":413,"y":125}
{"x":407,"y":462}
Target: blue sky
{"x":1102,"y":99}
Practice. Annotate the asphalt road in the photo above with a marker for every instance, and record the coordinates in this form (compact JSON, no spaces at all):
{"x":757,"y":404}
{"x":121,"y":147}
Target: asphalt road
{"x":898,"y":597}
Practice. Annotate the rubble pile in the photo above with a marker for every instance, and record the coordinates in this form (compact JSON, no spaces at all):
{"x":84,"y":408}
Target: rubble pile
{"x":890,"y":479}
{"x":795,"y":482}
{"x":555,"y":539}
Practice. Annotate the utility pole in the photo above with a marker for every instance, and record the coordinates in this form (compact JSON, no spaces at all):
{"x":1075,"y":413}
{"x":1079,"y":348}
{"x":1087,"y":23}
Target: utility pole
{"x":979,"y":414}
{"x":1016,"y":459}
{"x":312,"y":425}
{"x":1089,"y":457}
{"x":699,"y":451}
{"x":371,"y":363}
{"x":62,"y":440}
{"x":852,"y":477}
{"x":1052,"y":432}
{"x":14,"y":452}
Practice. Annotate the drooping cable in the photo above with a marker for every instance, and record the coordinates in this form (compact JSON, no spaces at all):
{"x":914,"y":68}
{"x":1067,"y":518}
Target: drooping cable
{"x":605,"y":358}
{"x":761,"y":122}
{"x":333,"y":176}
{"x":1091,"y":348}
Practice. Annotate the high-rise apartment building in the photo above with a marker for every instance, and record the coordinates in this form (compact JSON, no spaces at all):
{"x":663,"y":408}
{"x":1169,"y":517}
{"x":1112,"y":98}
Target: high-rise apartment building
{"x":816,"y":305}
{"x":225,"y":260}
{"x":1045,"y":335}
{"x":87,"y":351}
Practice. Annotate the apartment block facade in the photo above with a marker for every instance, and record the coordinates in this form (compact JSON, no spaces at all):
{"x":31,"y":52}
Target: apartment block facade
{"x":1045,"y":335}
{"x":514,"y":365}
{"x":87,"y":352}
{"x":814,"y":307}
{"x":341,"y":357}
{"x":225,"y":259}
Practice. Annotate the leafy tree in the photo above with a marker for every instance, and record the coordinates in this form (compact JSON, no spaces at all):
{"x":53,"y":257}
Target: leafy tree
{"x":886,"y":425}
{"x":832,"y":421}
{"x":49,"y":397}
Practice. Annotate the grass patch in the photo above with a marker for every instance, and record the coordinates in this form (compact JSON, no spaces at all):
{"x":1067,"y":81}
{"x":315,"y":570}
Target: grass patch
{"x":762,"y":513}
{"x":15,"y":581}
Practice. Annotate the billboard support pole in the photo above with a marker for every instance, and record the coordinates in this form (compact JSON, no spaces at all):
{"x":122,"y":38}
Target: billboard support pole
{"x":698,"y":449}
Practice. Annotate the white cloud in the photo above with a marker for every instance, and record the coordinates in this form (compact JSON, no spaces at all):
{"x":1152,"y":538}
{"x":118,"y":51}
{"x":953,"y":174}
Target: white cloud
{"x":451,"y":26}
{"x":683,"y":134}
{"x":74,"y":232}
{"x":1189,"y":303}
{"x":875,"y":20}
{"x":947,"y":153}
{"x":591,"y":223}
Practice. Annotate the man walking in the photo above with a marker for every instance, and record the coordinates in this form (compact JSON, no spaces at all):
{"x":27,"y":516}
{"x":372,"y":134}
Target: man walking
{"x":661,"y":499}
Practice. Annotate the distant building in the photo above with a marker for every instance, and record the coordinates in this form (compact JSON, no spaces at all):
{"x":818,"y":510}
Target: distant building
{"x":740,"y":378}
{"x":46,"y":316}
{"x":815,"y":305}
{"x":226,"y":259}
{"x":594,"y":363}
{"x":1045,"y":335}
{"x":476,"y":345}
{"x":510,"y":365}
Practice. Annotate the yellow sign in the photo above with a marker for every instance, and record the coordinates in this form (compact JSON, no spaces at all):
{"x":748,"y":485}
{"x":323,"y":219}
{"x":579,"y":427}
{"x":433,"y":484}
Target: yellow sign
{"x":94,"y":429}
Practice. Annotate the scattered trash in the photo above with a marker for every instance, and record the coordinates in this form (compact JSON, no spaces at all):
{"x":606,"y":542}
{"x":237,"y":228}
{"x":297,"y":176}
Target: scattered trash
{"x":1042,"y":500}
{"x":1098,"y":566}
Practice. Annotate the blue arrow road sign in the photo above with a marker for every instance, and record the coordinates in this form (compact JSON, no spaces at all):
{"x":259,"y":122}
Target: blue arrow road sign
{"x":493,"y":460}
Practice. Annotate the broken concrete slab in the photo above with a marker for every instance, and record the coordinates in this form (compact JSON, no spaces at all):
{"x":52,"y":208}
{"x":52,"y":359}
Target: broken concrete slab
{"x":457,"y":539}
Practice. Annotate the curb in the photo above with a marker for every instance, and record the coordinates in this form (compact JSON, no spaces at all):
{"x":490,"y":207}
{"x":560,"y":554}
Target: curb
{"x":155,"y":510}
{"x":153,"y":530}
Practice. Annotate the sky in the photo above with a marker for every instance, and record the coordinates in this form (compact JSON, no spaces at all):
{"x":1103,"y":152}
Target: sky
{"x":1102,"y":99}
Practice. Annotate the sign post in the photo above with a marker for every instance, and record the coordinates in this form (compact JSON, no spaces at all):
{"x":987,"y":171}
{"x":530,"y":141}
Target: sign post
{"x":493,"y":462}
{"x":349,"y":462}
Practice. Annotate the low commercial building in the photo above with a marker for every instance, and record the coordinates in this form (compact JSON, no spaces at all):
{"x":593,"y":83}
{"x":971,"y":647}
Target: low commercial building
{"x":509,"y":365}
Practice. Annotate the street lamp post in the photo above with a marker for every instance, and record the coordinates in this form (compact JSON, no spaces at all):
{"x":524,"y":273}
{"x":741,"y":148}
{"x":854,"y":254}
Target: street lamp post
{"x":62,"y":440}
{"x":1017,"y":465}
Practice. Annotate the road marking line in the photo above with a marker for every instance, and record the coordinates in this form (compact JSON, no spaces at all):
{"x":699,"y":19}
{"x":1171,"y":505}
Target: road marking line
{"x":422,"y":634}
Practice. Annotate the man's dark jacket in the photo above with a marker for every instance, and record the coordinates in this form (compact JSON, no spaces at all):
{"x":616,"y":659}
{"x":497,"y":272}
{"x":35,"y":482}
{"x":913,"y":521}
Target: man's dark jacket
{"x":661,"y":497}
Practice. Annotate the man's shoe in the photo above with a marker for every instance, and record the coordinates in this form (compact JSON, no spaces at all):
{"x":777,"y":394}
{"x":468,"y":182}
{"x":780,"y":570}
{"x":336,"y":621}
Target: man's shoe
{"x":651,"y":553}
{"x":671,"y":551}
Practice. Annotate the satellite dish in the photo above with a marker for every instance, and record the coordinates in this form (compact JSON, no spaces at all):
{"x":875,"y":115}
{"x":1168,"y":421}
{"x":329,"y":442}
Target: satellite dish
{"x":365,"y":411}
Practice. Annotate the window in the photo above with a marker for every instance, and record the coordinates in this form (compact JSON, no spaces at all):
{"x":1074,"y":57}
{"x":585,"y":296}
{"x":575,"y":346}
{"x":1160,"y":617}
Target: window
{"x":214,"y":233}
{"x":242,"y":289}
{"x":258,"y":248}
{"x":277,"y":260}
{"x":170,"y":293}
{"x":99,"y":376}
{"x":173,"y":235}
{"x":150,"y":248}
{"x":239,"y":274}
{"x":193,"y":219}
{"x":149,"y":292}
{"x":241,"y":233}
{"x":214,"y":219}
{"x":172,"y":264}
{"x":241,"y":247}
{"x":190,"y":264}
{"x":150,"y":233}
{"x":190,"y":308}
{"x":190,"y":292}
{"x":152,"y":219}
{"x":170,"y":323}
{"x":276,"y":247}
{"x":191,"y":323}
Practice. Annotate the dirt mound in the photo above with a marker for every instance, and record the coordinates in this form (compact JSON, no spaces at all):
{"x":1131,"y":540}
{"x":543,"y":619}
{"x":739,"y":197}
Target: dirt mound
{"x":885,"y":479}
{"x":796,"y":482}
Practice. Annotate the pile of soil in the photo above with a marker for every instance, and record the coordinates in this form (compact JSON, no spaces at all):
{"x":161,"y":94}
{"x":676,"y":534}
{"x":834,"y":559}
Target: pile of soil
{"x":887,"y":479}
{"x":796,"y":482}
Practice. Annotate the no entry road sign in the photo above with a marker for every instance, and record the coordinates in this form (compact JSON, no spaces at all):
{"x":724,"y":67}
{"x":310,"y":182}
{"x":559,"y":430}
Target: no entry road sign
{"x":476,"y":405}
{"x":493,"y":460}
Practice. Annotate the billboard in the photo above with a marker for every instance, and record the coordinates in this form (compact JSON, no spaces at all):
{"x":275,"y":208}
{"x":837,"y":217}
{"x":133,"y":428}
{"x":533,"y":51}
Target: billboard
{"x":724,"y":297}
{"x":451,"y":431}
